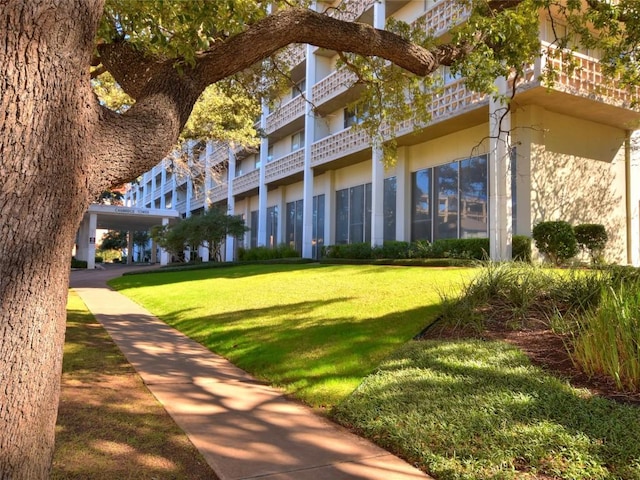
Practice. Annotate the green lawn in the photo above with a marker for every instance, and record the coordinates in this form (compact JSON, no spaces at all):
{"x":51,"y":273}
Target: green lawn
{"x":466,"y":409}
{"x":475,"y":410}
{"x":314,"y":330}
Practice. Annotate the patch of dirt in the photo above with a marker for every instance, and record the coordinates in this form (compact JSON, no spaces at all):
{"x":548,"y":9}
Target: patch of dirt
{"x":547,"y":350}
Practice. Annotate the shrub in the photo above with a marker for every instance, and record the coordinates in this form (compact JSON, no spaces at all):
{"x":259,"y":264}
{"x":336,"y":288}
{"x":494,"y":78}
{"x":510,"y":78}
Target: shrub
{"x":420,"y":249}
{"x":521,"y":248}
{"x":475,"y":248}
{"x":266,"y":253}
{"x":75,"y":263}
{"x":350,"y":251}
{"x":556,"y":240}
{"x":99,"y":259}
{"x":592,"y":237}
{"x":392,"y":250}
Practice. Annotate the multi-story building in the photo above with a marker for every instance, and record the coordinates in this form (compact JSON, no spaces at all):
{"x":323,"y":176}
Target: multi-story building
{"x":316,"y":180}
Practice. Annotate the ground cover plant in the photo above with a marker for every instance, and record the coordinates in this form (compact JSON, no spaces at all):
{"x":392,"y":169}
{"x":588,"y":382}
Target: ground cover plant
{"x":460,"y":408}
{"x":109,"y":425}
{"x":476,"y":409}
{"x":315,"y":330}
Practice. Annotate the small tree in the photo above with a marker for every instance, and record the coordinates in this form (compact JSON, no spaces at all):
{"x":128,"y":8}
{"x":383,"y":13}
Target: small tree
{"x":214,"y":225}
{"x":556,"y":240}
{"x":592,"y":237}
{"x":209,"y":228}
{"x":172,"y":238}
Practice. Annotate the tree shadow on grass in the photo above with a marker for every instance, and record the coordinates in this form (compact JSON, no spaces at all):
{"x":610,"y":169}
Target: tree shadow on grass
{"x":109,"y":425}
{"x":483,"y":403}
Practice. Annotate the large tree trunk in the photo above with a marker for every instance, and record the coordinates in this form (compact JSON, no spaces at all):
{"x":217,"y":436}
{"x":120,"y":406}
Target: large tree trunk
{"x":46,"y":119}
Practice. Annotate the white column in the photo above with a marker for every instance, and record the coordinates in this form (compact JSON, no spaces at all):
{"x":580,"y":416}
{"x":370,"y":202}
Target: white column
{"x":377,"y":196}
{"x":129,"y":247}
{"x":633,"y":179}
{"x":207,"y":175}
{"x":189,"y":195}
{"x":262,"y":189}
{"x":281,"y":204}
{"x":309,"y":137}
{"x":153,"y":189}
{"x":164,"y":255}
{"x":500,"y":225}
{"x":247,"y":219}
{"x":174,"y":193}
{"x":377,"y":167}
{"x":82,"y":246}
{"x":163,"y":183}
{"x":229,"y":247}
{"x":403,"y":196}
{"x":91,"y":251}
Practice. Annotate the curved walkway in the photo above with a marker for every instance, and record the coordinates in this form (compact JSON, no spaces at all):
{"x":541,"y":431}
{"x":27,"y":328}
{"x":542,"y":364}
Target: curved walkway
{"x":244,"y":429}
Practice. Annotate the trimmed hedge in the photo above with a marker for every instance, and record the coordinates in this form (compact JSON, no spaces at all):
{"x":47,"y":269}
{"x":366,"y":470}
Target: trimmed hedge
{"x":75,"y":263}
{"x":556,"y":240}
{"x":592,"y":237}
{"x":266,"y":253}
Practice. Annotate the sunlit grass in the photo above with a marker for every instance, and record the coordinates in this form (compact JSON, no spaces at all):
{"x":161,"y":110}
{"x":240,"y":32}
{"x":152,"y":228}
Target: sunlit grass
{"x":314,"y":330}
{"x":478,"y":410}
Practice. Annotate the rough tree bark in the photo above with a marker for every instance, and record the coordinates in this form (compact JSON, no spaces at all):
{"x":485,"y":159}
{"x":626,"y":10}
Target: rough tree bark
{"x":59,"y":149}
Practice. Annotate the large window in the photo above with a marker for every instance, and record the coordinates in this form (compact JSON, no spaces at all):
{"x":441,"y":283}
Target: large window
{"x":272,"y":226}
{"x":474,"y":197}
{"x":389,"y":207}
{"x":450,"y":201}
{"x":294,"y":225}
{"x":421,"y":205}
{"x":254,"y":229}
{"x":353,"y":214}
{"x":297,"y":141}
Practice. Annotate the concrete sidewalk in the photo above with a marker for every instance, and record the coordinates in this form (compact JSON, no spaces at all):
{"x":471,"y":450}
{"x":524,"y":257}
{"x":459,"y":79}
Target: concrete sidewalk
{"x":244,"y":429}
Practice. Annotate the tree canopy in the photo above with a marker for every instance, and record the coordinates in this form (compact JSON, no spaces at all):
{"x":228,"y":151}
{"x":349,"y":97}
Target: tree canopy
{"x":499,"y":38}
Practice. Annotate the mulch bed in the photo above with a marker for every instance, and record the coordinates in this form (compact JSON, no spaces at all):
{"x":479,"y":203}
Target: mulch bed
{"x":546,"y":349}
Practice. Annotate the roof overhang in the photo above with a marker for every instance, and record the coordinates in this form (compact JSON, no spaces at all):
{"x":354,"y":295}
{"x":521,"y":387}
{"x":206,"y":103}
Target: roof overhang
{"x":117,"y":217}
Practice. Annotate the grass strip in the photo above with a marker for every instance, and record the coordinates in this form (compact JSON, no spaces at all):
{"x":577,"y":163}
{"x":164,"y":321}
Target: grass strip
{"x":109,"y":425}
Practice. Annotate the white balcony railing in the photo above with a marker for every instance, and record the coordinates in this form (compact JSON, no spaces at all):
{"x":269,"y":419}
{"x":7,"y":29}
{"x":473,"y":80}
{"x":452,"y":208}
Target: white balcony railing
{"x":584,"y":79}
{"x":444,"y":15}
{"x":246,"y":182}
{"x":333,"y":85}
{"x":351,"y":10}
{"x":285,"y":166}
{"x":287,"y":113}
{"x":338,"y":145}
{"x":218,"y":193}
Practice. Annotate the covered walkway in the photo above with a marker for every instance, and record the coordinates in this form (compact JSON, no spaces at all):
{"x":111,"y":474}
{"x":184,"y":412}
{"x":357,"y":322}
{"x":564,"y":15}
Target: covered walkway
{"x":117,"y":217}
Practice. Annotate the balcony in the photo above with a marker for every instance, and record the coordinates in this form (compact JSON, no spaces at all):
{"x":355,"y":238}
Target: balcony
{"x":333,"y":86}
{"x":168,"y":186}
{"x":218,"y":193}
{"x":286,"y":166}
{"x":443,"y":15}
{"x":585,"y":92}
{"x":287,"y":114}
{"x":341,"y":144}
{"x":246,"y":182}
{"x":219,"y":155}
{"x":181,"y":206}
{"x":351,"y":10}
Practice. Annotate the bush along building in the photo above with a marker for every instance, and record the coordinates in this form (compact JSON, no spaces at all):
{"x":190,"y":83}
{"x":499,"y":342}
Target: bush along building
{"x":563,"y":151}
